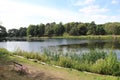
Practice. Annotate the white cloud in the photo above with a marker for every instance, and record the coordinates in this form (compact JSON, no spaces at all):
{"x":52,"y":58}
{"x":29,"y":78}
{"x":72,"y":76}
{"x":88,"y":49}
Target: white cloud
{"x":115,"y":1}
{"x":15,"y":15}
{"x":93,"y":9}
{"x":89,"y":1}
{"x":83,"y":3}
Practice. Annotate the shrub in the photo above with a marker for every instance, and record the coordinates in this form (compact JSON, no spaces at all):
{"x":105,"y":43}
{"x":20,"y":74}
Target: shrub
{"x":45,"y":58}
{"x":3,"y":51}
{"x":98,"y":66}
{"x":83,"y":66}
{"x":112,"y":65}
{"x":65,"y":62}
{"x":109,"y":65}
{"x":93,"y":56}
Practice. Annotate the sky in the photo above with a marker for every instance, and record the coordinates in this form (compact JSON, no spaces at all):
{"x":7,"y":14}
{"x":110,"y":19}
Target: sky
{"x":22,"y":13}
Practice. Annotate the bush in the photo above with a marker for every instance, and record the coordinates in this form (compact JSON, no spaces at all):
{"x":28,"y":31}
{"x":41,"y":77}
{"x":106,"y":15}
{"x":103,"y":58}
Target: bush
{"x":109,"y":65}
{"x":65,"y":62}
{"x":85,"y":66}
{"x":3,"y":51}
{"x":112,"y":65}
{"x":99,"y":66}
{"x":93,"y":56}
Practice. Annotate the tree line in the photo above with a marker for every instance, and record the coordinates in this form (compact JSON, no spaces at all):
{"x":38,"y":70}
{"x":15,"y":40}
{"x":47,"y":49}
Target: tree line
{"x":71,"y":29}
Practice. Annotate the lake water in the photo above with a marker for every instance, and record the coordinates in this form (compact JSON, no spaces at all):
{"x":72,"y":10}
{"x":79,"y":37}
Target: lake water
{"x":63,"y":45}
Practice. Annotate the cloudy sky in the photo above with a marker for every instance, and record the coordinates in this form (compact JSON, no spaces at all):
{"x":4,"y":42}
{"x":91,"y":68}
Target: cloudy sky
{"x":21,"y":13}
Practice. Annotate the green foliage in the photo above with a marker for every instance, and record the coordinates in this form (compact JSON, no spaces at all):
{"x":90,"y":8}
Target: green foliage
{"x":110,"y":65}
{"x":65,"y":62}
{"x":92,"y":28}
{"x":49,"y":29}
{"x":93,"y":55}
{"x":3,"y":51}
{"x":41,"y":29}
{"x":59,"y":29}
{"x":36,"y":30}
{"x":22,"y":32}
{"x":100,"y":30}
{"x":3,"y":32}
{"x":99,"y":66}
{"x":32,"y":30}
{"x":94,"y":61}
{"x":112,"y":28}
{"x":74,"y":31}
{"x":13,"y":32}
{"x":71,"y":29}
{"x":67,"y":27}
{"x":82,"y":28}
{"x":82,"y":66}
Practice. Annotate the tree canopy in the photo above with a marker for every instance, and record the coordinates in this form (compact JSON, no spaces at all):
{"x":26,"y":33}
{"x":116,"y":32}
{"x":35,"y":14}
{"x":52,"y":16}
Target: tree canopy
{"x":3,"y":32}
{"x":58,"y":29}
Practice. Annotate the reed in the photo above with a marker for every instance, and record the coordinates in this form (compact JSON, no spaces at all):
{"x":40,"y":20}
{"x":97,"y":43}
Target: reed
{"x":93,"y":61}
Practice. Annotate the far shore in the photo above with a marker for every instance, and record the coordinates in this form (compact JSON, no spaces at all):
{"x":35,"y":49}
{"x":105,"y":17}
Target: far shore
{"x":115,"y":37}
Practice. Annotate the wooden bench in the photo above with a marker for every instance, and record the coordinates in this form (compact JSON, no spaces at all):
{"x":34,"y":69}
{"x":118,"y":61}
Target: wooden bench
{"x":20,"y":68}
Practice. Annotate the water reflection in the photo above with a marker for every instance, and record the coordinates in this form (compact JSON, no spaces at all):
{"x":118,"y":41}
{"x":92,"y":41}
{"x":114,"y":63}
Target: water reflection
{"x":63,"y":45}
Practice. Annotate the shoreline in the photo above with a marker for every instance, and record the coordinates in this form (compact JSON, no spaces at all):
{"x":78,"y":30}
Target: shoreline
{"x":56,"y":72}
{"x":104,"y":37}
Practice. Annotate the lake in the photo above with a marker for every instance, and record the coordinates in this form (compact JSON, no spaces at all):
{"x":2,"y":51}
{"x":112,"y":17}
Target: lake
{"x":63,"y":45}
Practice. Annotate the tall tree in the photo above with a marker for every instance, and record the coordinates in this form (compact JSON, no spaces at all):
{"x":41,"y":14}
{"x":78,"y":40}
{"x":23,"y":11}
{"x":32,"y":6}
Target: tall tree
{"x":74,"y":31}
{"x":49,"y":29}
{"x":82,"y":29}
{"x":41,"y":29}
{"x":13,"y":32}
{"x":112,"y":28}
{"x":100,"y":30}
{"x":59,"y":29}
{"x":67,"y":27}
{"x":32,"y":30}
{"x":23,"y":31}
{"x":3,"y":32}
{"x":92,"y":28}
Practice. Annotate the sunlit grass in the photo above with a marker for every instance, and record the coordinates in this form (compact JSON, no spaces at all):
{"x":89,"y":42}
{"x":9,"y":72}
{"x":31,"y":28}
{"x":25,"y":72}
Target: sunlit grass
{"x":93,"y":61}
{"x":107,"y":63}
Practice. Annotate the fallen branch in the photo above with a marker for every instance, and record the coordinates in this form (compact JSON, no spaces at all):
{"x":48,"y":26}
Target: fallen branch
{"x":20,"y":68}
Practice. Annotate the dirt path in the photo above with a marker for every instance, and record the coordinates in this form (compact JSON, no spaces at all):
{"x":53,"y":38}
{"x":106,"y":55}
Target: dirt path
{"x":35,"y":73}
{"x":42,"y":74}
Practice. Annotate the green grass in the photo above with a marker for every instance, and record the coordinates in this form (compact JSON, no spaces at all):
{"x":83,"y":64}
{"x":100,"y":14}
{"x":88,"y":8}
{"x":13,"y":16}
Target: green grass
{"x":103,"y":37}
{"x":94,"y":61}
{"x":91,"y":37}
{"x":64,"y":73}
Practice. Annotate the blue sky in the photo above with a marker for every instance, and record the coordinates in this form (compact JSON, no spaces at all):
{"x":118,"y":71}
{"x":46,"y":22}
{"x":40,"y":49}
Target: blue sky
{"x":21,"y":13}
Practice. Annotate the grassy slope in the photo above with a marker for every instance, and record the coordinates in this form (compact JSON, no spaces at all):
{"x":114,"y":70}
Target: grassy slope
{"x":69,"y":37}
{"x":81,"y":37}
{"x":91,"y":37}
{"x":44,"y":72}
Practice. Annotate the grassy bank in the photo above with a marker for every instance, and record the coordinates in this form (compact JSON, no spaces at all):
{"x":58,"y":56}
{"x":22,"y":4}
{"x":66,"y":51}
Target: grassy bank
{"x":43,"y":72}
{"x":94,"y":61}
{"x":116,"y":37}
{"x":49,"y":71}
{"x":91,"y":37}
{"x":81,"y":37}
